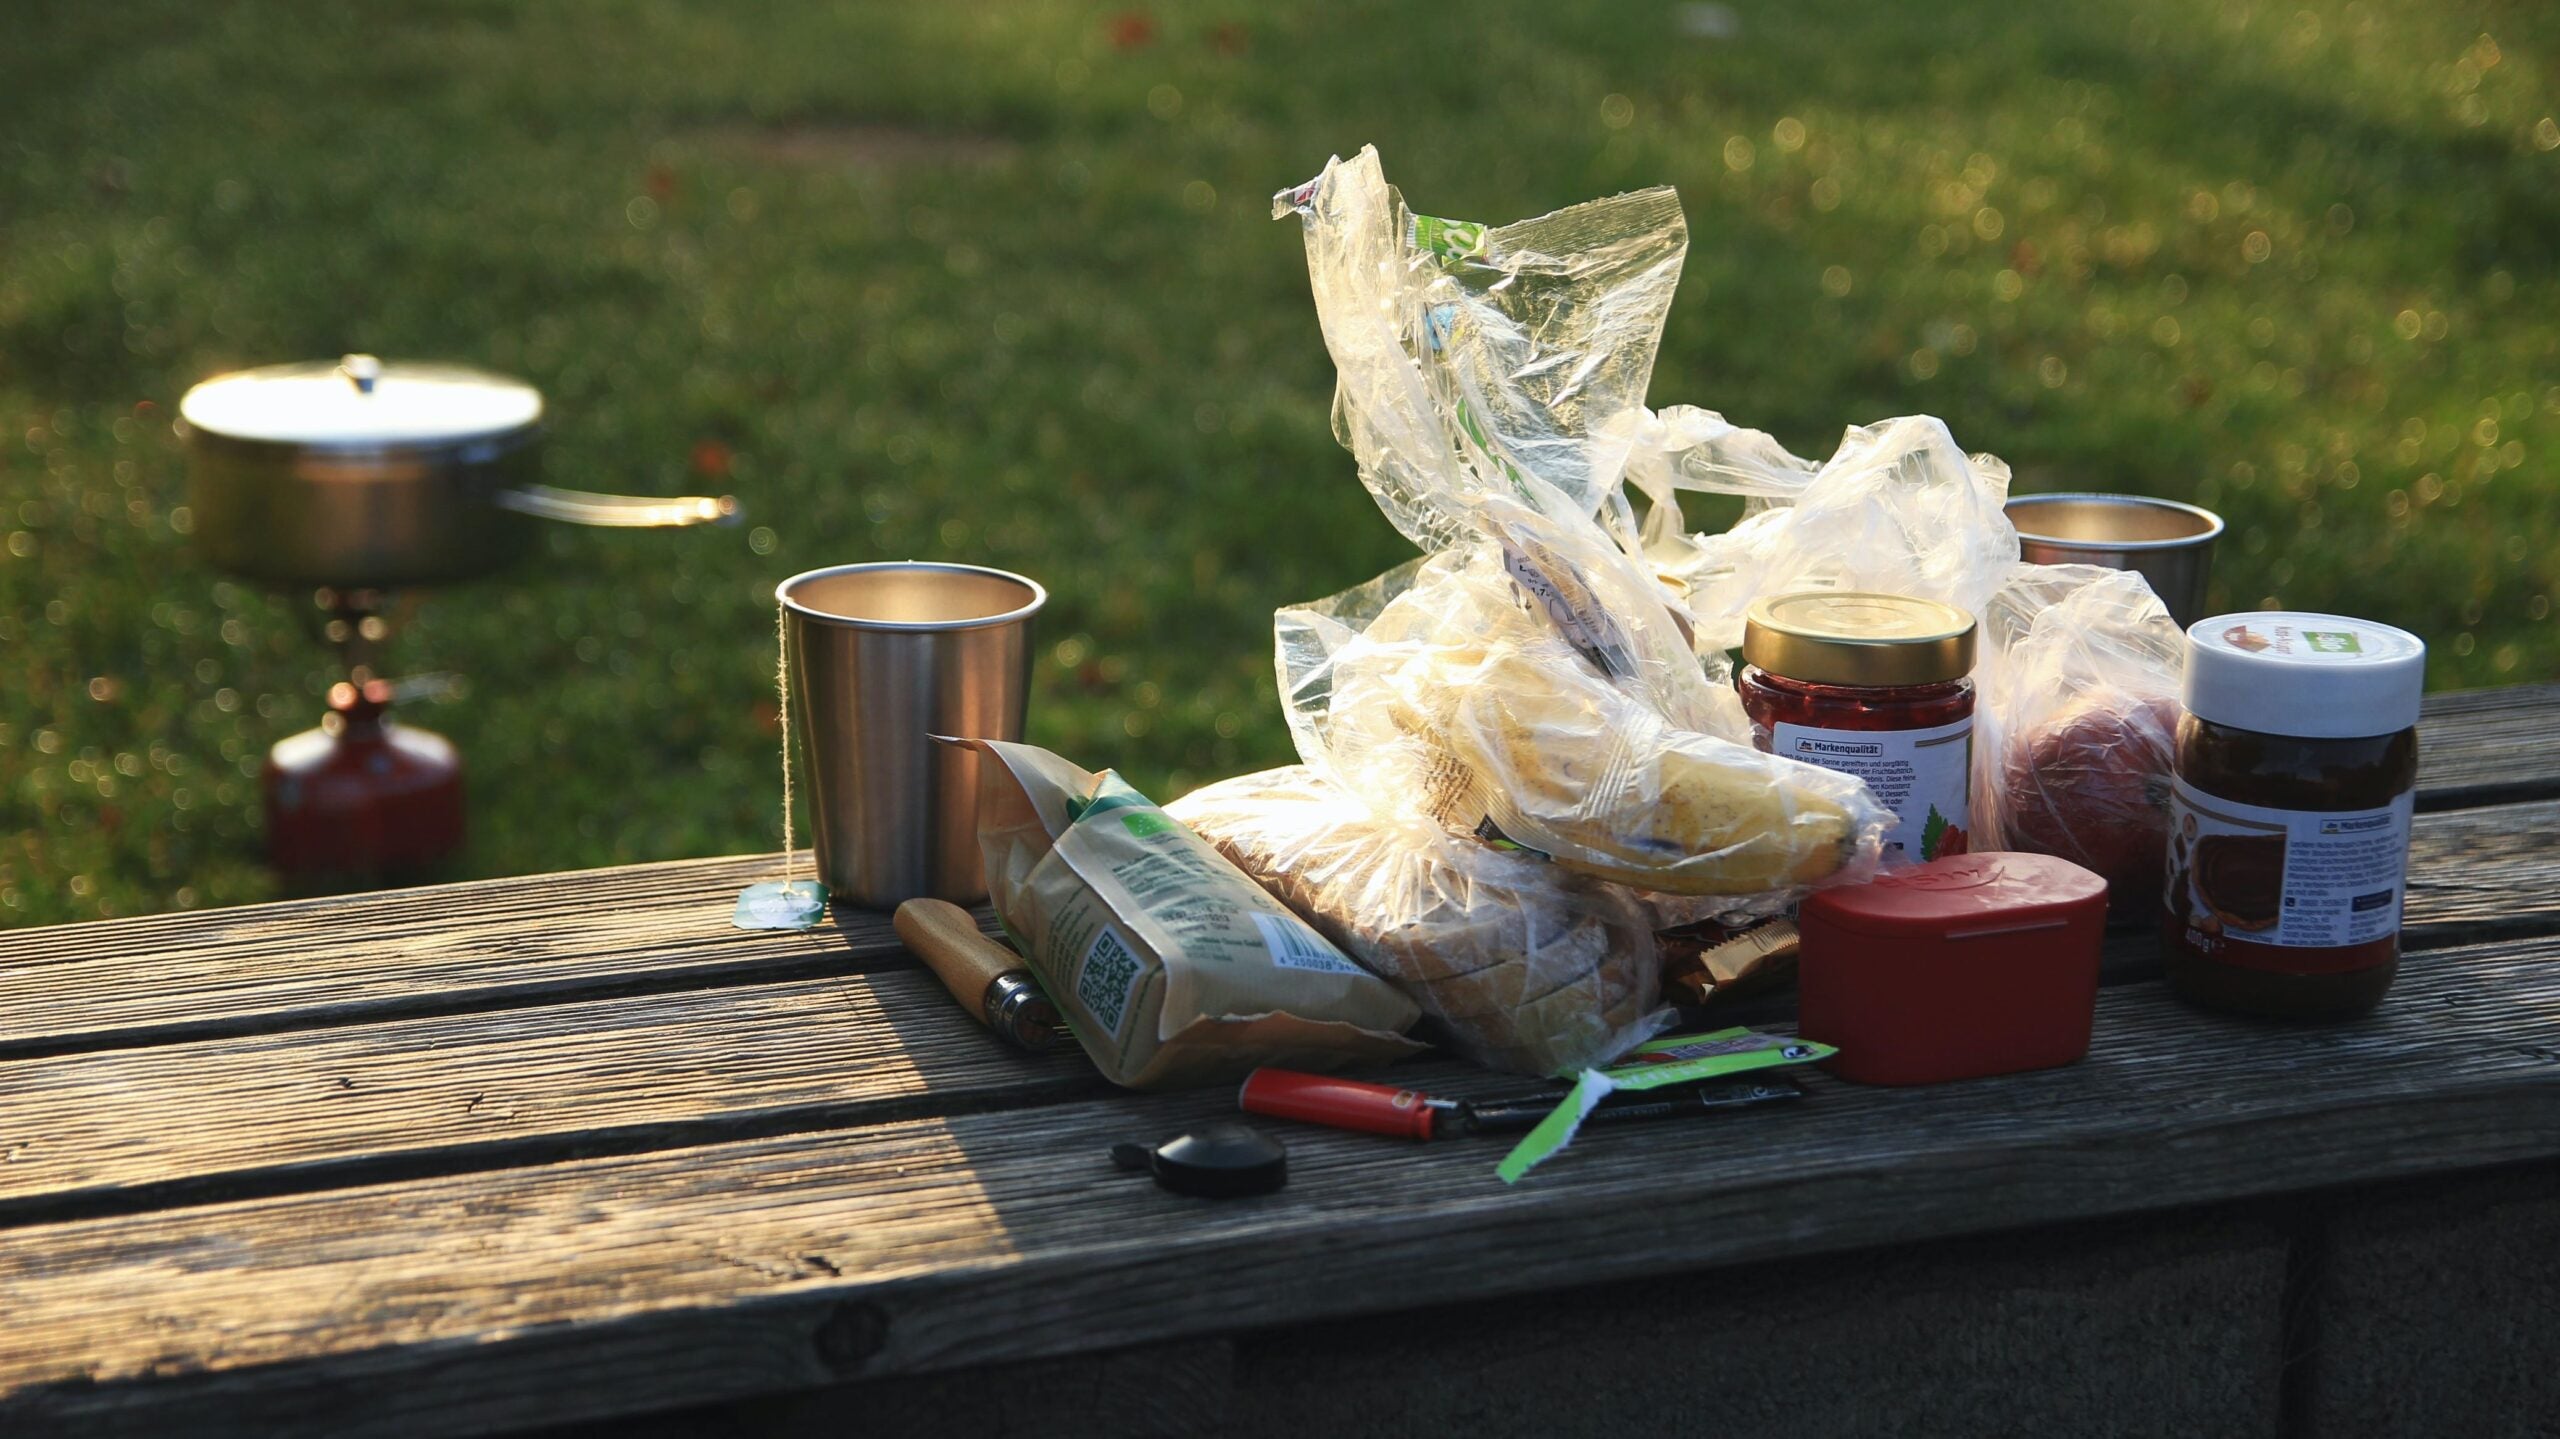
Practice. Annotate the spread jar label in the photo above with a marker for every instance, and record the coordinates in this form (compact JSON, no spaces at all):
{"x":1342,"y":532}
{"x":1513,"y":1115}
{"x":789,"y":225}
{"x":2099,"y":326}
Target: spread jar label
{"x":2269,"y":888}
{"x":1919,"y":774}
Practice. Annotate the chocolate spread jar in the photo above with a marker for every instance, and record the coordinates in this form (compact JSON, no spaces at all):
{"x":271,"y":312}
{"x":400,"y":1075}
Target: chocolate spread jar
{"x":2289,"y":818}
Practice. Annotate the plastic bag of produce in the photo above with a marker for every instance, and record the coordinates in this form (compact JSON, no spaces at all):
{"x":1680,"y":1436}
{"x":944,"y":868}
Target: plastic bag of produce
{"x":2076,"y":719}
{"x":1458,"y":701}
{"x":1524,"y":966}
{"x":2076,"y":731}
{"x":1171,"y":966}
{"x":1899,"y":509}
{"x":1534,"y":676}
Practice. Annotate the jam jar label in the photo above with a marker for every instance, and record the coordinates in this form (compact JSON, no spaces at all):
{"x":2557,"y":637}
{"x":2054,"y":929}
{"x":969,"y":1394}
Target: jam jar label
{"x":2245,"y":879}
{"x":1922,"y":775}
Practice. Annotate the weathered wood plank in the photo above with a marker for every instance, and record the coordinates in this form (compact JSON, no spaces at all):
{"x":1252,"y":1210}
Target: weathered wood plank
{"x":274,"y":1113}
{"x":362,"y":958}
{"x":612,"y":1285}
{"x":181,"y":1124}
{"x":2479,"y":747}
{"x":389,"y":915}
{"x":2474,"y":874}
{"x":2483,"y":874}
{"x":548,"y":938}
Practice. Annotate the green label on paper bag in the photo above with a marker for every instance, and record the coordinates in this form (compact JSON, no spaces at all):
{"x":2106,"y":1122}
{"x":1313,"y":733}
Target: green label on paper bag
{"x":1120,"y":796}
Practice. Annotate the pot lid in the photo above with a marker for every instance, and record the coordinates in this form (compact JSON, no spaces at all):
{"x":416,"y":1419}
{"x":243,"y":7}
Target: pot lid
{"x":361,"y":402}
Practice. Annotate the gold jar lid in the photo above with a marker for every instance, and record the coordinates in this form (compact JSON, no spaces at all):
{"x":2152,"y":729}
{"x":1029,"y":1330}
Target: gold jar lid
{"x":1847,"y":637}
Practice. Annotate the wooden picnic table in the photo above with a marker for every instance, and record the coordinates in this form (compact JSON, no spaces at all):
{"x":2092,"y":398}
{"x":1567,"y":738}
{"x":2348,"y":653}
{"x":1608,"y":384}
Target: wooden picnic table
{"x":556,"y":1150}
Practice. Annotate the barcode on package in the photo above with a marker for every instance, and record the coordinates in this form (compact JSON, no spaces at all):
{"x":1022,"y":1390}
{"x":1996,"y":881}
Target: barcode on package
{"x":1294,"y":946}
{"x":1105,"y":978}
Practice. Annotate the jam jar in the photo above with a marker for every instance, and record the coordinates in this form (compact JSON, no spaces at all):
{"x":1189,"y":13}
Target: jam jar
{"x":2289,"y":816}
{"x":1876,"y":686}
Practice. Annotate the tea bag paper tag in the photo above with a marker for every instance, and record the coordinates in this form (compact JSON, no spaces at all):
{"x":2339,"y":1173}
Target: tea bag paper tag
{"x":781,"y":904}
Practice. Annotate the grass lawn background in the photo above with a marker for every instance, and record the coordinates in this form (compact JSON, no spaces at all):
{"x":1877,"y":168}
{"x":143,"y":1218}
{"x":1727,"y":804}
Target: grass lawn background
{"x":997,"y":282}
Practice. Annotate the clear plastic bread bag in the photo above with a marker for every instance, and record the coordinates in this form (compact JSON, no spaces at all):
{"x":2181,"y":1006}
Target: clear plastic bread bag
{"x":1519,"y":964}
{"x":2076,"y":733}
{"x":1534,"y":675}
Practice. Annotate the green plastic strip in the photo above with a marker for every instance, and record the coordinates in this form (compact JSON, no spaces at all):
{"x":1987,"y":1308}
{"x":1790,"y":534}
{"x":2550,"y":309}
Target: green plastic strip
{"x":1677,"y":1059}
{"x":1556,"y":1130}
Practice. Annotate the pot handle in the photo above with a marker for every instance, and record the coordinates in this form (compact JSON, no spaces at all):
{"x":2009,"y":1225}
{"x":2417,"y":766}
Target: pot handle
{"x":577,"y":507}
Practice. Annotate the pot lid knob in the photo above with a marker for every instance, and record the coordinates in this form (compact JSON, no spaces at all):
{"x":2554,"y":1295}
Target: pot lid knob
{"x":362,"y":371}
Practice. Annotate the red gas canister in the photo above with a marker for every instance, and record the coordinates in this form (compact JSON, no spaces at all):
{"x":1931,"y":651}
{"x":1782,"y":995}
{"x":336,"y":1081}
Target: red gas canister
{"x":1978,"y":964}
{"x":360,"y":797}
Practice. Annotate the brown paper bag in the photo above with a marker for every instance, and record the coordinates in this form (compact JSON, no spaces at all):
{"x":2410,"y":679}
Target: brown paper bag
{"x":1170,"y":965}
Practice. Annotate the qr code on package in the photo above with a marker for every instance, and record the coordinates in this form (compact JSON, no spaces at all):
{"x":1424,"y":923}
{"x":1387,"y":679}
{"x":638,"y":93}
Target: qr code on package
{"x":1106,"y":977}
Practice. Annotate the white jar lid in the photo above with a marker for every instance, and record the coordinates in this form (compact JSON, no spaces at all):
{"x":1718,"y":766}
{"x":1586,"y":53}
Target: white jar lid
{"x":2312,"y":676}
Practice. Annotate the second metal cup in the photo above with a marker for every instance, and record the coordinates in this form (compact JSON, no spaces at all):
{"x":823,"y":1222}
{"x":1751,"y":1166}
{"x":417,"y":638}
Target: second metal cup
{"x":883,"y":657}
{"x":2171,"y":544}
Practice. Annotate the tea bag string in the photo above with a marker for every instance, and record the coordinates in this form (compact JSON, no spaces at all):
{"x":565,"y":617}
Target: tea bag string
{"x":782,"y":693}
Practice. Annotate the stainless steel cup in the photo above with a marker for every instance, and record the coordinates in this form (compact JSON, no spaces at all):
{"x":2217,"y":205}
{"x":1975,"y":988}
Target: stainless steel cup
{"x":883,"y":657}
{"x":2171,"y":544}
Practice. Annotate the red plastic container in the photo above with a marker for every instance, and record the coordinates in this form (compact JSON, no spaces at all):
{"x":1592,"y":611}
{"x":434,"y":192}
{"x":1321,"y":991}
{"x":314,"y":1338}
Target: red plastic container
{"x":1978,"y":964}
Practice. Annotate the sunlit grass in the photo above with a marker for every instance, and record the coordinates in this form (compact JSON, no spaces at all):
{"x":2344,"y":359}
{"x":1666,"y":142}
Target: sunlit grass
{"x":997,"y":282}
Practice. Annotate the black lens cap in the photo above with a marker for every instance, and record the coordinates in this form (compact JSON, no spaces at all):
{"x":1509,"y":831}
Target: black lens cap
{"x":1223,"y":1161}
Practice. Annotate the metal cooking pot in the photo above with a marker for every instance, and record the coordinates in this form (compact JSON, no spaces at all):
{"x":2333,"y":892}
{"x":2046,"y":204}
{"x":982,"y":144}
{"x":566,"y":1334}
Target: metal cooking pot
{"x":357,"y":473}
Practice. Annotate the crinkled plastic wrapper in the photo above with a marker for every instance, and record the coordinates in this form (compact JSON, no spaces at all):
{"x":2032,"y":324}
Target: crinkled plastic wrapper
{"x":1522,"y":965}
{"x":1475,"y":711}
{"x":2077,"y":730}
{"x":1554,"y":670}
{"x":1551,"y":673}
{"x":1899,"y":509}
{"x":1533,"y":677}
{"x":1470,"y":359}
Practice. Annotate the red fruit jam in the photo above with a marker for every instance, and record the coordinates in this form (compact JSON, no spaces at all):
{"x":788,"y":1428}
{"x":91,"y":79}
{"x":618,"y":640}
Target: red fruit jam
{"x":1875,"y":686}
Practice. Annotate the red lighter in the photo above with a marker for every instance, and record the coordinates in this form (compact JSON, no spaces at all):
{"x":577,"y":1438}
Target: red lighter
{"x":1347,"y":1104}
